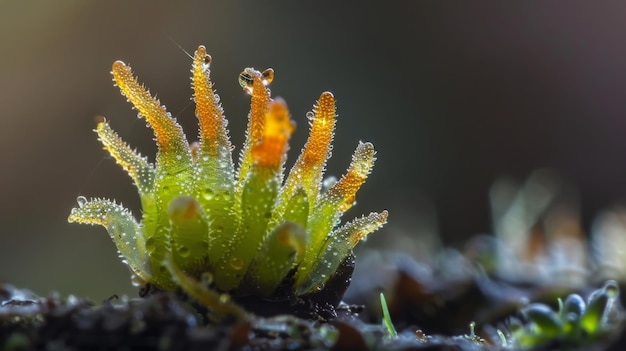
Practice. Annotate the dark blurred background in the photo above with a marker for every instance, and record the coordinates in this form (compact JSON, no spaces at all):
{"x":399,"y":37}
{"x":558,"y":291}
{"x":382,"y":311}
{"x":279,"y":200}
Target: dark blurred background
{"x":452,"y":95}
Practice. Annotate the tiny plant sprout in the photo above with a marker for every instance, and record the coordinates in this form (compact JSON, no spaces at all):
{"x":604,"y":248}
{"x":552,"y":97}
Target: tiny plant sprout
{"x":387,"y":323}
{"x":473,"y":337}
{"x":502,"y":338}
{"x":243,"y":230}
{"x":577,"y":323}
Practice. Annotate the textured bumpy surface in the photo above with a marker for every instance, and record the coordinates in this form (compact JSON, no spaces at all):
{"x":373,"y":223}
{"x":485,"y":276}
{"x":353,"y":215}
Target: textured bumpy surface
{"x":243,"y":229}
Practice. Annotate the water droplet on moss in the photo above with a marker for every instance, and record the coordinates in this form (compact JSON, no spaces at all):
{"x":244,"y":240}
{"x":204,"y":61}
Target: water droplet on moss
{"x":208,"y":194}
{"x":207,"y":60}
{"x":81,"y":200}
{"x":224,"y":298}
{"x":136,"y":281}
{"x":246,"y":81}
{"x":268,"y":76}
{"x":206,"y":278}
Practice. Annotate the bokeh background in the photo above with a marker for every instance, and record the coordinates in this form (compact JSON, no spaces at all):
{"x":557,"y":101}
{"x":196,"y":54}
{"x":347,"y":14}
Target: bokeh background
{"x":453,"y":95}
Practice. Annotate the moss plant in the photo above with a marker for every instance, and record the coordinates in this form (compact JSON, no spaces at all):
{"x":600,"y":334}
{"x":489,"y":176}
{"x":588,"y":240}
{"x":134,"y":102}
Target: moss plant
{"x":244,"y":230}
{"x":577,"y":323}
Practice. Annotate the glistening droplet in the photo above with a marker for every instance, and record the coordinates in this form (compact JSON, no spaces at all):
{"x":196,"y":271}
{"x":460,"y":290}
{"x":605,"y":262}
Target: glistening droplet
{"x":224,"y":298}
{"x":208,"y":194}
{"x":246,"y":81}
{"x":81,"y":200}
{"x":207,"y":60}
{"x":136,"y":281}
{"x":206,"y":278}
{"x":267,"y":76}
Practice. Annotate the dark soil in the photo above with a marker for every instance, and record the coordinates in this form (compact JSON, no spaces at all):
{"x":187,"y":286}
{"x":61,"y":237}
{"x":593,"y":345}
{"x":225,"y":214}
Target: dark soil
{"x":163,"y":321}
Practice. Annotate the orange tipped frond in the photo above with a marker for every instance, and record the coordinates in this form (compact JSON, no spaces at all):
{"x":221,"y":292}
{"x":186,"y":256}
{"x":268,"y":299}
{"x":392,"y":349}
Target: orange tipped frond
{"x":344,"y":191}
{"x":316,"y":150}
{"x":170,"y":138}
{"x":269,"y":153}
{"x":213,"y":133}
{"x":340,"y":197}
{"x":252,"y":82}
{"x":309,"y":168}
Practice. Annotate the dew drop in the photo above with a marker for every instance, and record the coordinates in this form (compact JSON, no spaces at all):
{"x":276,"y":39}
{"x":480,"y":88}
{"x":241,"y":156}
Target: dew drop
{"x":328,"y":182}
{"x":236,"y":263}
{"x":224,"y":298}
{"x":208,"y":194}
{"x":150,"y":245}
{"x":268,"y":76}
{"x":81,"y":200}
{"x":310,"y":115}
{"x":246,"y":81}
{"x":136,"y":281}
{"x":207,"y":60}
{"x":184,"y":251}
{"x":206,"y":278}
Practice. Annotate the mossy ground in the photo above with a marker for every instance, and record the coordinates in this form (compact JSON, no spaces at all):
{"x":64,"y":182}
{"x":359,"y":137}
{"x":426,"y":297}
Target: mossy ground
{"x":438,"y":320}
